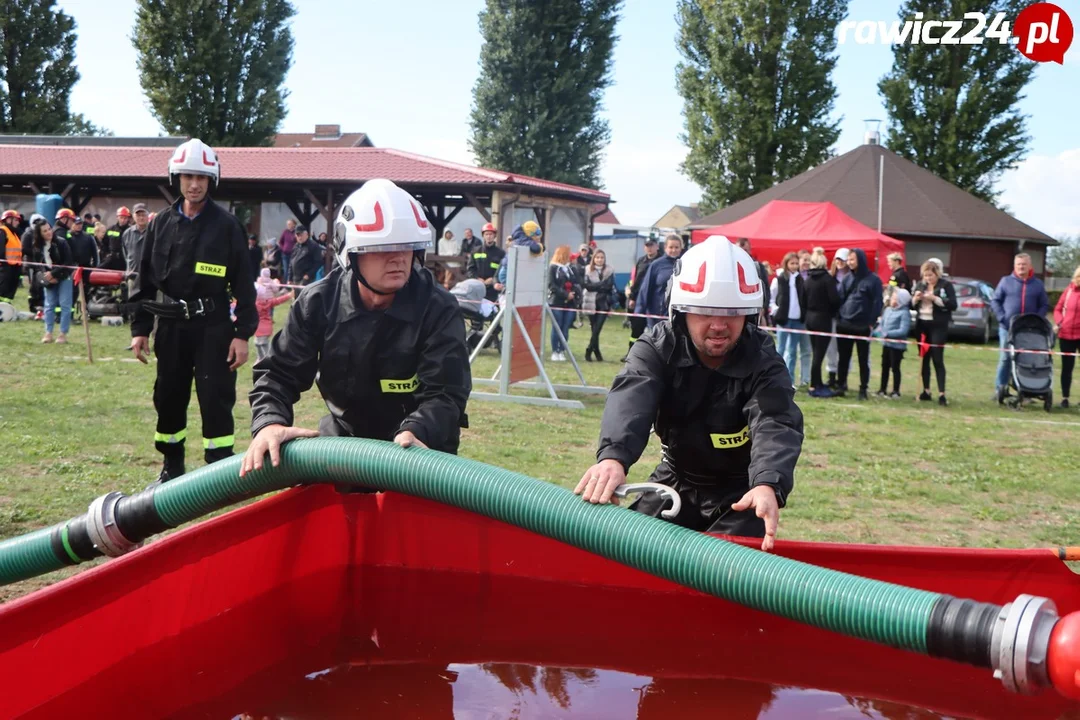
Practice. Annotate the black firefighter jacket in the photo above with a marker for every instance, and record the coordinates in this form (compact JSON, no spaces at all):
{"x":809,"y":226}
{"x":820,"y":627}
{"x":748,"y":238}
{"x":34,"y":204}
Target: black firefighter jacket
{"x":380,"y":373}
{"x":737,"y":426}
{"x":196,"y":258}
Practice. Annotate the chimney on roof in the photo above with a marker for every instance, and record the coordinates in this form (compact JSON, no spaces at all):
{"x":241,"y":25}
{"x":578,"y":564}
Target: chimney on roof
{"x":327,"y":132}
{"x":872,"y":136}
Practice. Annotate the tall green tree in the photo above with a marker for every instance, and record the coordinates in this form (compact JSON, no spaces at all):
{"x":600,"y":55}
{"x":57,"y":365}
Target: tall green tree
{"x":1063,"y":259}
{"x":37,"y":70}
{"x":954,"y":109}
{"x":215,"y":69}
{"x":757,"y":93}
{"x":543,"y":70}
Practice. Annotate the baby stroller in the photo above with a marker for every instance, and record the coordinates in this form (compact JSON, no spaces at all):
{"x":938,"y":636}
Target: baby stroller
{"x":478,"y":311}
{"x":1032,"y":372}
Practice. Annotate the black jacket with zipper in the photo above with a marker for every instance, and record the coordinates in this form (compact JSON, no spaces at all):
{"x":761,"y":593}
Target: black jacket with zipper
{"x":380,"y":372}
{"x":783,"y":293}
{"x":112,"y":257}
{"x":737,"y":426}
{"x":942,"y":313}
{"x":307,"y":258}
{"x":196,"y":258}
{"x":822,"y":300}
{"x":59,"y":254}
{"x":563,"y":280}
{"x":484,"y":263}
{"x":639,"y":274}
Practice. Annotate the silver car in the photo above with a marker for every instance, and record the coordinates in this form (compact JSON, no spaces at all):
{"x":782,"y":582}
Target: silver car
{"x":973,"y":319}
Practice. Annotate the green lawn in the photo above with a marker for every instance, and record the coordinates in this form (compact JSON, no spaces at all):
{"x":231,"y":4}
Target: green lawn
{"x":972,"y":474}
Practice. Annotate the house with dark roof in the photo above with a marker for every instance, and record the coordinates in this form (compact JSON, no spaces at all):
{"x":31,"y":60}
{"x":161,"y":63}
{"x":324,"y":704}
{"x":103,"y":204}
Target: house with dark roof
{"x":679,"y":218}
{"x":932,"y":216}
{"x":324,"y":136}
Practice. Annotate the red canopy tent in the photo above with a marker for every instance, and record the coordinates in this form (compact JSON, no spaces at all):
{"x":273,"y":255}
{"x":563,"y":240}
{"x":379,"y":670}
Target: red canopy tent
{"x":783,"y":226}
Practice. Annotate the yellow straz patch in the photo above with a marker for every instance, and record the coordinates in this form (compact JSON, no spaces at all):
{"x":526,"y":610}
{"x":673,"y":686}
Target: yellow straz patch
{"x":734,"y":440}
{"x":208,"y":269}
{"x":400,"y":386}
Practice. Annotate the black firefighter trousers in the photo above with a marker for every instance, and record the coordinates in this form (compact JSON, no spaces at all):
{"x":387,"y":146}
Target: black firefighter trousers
{"x":194,"y":350}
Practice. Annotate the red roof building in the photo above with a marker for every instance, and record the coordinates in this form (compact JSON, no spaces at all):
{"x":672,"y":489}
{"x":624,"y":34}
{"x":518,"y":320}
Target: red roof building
{"x":310,"y":180}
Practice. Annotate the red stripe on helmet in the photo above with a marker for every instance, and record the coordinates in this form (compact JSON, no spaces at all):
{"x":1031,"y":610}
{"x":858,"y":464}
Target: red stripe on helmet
{"x":699,"y":285}
{"x":744,"y":287}
{"x":183,"y":156}
{"x":206,"y":161}
{"x":419,"y":219}
{"x":375,"y":226}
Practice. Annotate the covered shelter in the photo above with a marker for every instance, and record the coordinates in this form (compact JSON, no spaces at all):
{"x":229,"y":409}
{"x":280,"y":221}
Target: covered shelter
{"x":783,"y":226}
{"x":311,"y":181}
{"x":933,"y":217}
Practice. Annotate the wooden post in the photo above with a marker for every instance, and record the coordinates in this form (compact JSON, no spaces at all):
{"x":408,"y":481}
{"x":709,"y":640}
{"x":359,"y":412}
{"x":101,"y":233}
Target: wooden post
{"x":548,"y":250}
{"x":329,"y":259}
{"x":549,"y":215}
{"x":496,"y":216}
{"x":85,"y":315}
{"x":475,"y":202}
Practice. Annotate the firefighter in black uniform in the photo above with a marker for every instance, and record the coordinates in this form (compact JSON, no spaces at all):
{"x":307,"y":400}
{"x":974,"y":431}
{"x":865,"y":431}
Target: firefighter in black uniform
{"x":113,"y":259}
{"x":383,"y":340}
{"x":719,"y":397}
{"x":193,"y":260}
{"x":484,"y":263}
{"x":638,"y":322}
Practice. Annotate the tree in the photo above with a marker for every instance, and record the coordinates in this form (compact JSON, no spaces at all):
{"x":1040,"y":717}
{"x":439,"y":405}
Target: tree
{"x":215,"y":69}
{"x":756,"y":91}
{"x":79,"y":125}
{"x":37,"y":69}
{"x":1063,"y":259}
{"x":953,"y":108}
{"x":543,"y":69}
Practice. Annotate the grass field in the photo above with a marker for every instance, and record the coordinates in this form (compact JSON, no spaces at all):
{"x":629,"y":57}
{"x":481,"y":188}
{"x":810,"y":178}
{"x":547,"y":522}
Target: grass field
{"x":880,"y":471}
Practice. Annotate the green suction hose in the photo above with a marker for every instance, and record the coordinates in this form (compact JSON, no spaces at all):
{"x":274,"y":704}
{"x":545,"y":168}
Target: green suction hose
{"x":915,"y":620}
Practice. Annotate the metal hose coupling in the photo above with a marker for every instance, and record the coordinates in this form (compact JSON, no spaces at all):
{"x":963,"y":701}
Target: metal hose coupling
{"x":1020,"y":643}
{"x":102,"y":527}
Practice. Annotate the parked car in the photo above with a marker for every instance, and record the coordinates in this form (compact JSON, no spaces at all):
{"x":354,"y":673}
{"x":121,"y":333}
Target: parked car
{"x":974,"y":318}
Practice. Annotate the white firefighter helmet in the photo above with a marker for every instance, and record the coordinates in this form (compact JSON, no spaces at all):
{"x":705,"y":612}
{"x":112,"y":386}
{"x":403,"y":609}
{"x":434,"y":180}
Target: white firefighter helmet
{"x":716,"y":277}
{"x":380,"y":217}
{"x":7,"y":312}
{"x":195,"y":157}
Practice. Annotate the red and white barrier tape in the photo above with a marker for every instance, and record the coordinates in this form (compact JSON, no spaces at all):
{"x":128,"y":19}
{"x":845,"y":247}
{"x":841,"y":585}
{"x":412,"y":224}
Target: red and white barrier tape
{"x":616,"y":313}
{"x":774,"y":329}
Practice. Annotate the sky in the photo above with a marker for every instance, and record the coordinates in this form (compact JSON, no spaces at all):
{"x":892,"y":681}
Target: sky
{"x":403,"y":72}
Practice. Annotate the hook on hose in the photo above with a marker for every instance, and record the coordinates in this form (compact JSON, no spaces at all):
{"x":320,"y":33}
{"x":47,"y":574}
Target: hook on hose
{"x":665,"y":491}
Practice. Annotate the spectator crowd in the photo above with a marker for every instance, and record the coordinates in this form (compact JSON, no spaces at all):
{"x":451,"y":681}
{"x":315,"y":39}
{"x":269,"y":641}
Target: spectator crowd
{"x":824,"y":312}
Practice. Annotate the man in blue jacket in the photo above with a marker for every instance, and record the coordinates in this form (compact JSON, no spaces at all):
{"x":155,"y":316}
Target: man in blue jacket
{"x":1017,"y":294}
{"x":860,"y":294}
{"x":653,"y":290}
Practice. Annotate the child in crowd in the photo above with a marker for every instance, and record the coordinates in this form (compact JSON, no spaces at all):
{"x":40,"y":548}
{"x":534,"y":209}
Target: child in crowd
{"x":895,"y":325}
{"x":268,"y":294}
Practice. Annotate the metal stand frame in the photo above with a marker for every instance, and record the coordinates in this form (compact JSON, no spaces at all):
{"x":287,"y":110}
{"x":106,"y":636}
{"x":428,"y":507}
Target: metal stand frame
{"x":509,"y":316}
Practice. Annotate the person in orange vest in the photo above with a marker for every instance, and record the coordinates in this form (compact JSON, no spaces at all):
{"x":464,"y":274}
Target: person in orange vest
{"x":11,"y":268}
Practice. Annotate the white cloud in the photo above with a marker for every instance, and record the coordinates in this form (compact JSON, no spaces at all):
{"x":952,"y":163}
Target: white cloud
{"x":1044,"y":192}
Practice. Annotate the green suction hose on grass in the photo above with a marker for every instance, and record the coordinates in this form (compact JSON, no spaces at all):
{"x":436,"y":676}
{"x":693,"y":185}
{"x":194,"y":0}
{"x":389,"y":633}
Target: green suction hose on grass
{"x":915,"y":620}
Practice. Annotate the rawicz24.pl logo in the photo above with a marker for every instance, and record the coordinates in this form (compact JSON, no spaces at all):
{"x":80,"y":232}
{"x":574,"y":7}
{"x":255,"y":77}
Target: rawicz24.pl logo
{"x":1041,"y":32}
